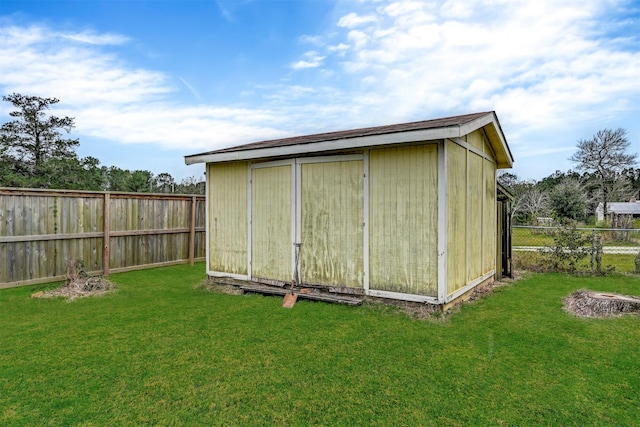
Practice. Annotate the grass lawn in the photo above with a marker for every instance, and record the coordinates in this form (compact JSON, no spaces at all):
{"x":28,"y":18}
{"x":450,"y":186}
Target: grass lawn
{"x":544,"y":237}
{"x":163,"y":351}
{"x":535,"y":261}
{"x":530,"y":237}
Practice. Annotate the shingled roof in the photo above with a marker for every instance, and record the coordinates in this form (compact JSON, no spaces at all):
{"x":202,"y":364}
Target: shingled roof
{"x":623,"y":208}
{"x":447,"y":127}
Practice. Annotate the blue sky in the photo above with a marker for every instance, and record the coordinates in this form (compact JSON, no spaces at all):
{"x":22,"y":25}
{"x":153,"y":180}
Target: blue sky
{"x":150,"y":81}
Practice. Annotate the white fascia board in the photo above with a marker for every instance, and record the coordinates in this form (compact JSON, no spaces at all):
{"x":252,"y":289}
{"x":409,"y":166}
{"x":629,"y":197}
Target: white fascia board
{"x":476,"y":124}
{"x":326,"y":146}
{"x":504,"y":160}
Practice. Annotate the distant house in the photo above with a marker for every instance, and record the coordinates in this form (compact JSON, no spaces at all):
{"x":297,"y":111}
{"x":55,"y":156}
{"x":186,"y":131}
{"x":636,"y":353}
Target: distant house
{"x":617,"y":211}
{"x":408,"y":211}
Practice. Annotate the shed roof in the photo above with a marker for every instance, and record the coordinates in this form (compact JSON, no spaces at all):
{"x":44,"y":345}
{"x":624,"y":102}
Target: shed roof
{"x":624,"y":208}
{"x":447,"y":127}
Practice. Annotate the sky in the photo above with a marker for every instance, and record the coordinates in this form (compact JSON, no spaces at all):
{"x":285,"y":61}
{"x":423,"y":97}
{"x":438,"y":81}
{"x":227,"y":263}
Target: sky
{"x":150,"y":81}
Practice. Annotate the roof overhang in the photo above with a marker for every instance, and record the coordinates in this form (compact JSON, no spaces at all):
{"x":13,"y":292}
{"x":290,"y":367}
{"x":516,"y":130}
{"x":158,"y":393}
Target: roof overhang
{"x":269,"y":149}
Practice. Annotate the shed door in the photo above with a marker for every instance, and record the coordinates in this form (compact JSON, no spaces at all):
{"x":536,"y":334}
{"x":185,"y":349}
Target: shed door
{"x":271,"y":221}
{"x":332,"y":222}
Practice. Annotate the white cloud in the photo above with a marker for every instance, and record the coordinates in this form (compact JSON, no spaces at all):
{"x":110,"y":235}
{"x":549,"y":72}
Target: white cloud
{"x":93,"y":38}
{"x":358,"y":38}
{"x":314,"y":40}
{"x":340,"y":47}
{"x":517,"y":57}
{"x":550,"y":69}
{"x":353,"y":20}
{"x":115,"y":102}
{"x":311,"y":60}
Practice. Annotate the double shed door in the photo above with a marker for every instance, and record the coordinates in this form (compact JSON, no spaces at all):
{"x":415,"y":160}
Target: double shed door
{"x":318,"y":202}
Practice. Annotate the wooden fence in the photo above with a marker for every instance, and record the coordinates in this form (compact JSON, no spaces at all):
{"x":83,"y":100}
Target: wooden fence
{"x":41,"y":230}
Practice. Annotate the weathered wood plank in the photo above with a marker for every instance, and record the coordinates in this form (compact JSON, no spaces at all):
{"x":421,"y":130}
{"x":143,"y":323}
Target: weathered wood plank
{"x":106,"y":234}
{"x":41,"y":229}
{"x":192,"y":231}
{"x":315,"y":296}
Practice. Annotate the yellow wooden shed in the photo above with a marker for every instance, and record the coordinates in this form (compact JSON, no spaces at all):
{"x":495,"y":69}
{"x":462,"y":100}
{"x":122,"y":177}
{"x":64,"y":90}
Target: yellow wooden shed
{"x":405,"y":211}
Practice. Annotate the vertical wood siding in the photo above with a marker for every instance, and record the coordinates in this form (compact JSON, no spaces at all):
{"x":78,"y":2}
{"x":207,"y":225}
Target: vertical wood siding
{"x":271,"y":239}
{"x":471,"y":188}
{"x":227,"y":200}
{"x":490,"y":228}
{"x":403,"y":219}
{"x":456,"y":217}
{"x":332,"y":223}
{"x":475,"y":212}
{"x":476,"y":140}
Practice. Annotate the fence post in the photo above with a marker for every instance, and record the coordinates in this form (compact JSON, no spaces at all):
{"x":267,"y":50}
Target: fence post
{"x":593,"y":250}
{"x":192,"y":231}
{"x":107,"y":238}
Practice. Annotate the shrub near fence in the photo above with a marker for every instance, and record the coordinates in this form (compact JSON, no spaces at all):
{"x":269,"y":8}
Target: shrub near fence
{"x":619,"y":246}
{"x":41,"y":230}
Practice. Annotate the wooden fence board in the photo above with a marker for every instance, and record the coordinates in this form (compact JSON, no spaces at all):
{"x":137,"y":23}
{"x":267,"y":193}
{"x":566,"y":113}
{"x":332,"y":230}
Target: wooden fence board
{"x":41,"y":230}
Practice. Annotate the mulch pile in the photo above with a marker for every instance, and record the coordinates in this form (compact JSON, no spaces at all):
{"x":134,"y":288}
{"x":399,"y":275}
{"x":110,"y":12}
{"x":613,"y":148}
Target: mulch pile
{"x":78,"y":284}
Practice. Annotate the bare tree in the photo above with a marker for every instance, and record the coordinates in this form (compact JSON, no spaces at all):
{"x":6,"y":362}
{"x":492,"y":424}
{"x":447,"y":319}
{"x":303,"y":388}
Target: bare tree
{"x":535,"y":203}
{"x":518,"y":189}
{"x":605,"y":155}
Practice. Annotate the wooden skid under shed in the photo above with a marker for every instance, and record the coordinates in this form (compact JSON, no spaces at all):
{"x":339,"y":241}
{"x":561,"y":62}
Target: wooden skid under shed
{"x":308,"y":293}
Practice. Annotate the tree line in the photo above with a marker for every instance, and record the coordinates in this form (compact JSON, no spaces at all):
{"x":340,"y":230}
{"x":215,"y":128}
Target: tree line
{"x":35,"y":154}
{"x":605,"y":172}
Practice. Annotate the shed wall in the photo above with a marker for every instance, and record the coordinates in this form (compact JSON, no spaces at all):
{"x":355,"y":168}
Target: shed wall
{"x":271,"y":219}
{"x":403,"y":215}
{"x":320,"y":202}
{"x":227,"y":202}
{"x":476,"y":140}
{"x":332,"y":201}
{"x":456,"y":217}
{"x":471,"y":215}
{"x":490,"y":227}
{"x":475,"y":223}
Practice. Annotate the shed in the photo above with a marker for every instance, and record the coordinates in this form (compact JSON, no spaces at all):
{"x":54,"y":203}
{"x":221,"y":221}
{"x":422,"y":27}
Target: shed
{"x":617,"y":211}
{"x":405,"y":211}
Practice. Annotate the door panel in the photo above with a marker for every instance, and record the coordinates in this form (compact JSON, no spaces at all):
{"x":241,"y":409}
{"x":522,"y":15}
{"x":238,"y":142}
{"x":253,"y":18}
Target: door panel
{"x":271,"y":222}
{"x":332,"y":223}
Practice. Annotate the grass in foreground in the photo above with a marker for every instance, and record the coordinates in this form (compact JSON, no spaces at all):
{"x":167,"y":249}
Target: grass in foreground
{"x":163,"y":351}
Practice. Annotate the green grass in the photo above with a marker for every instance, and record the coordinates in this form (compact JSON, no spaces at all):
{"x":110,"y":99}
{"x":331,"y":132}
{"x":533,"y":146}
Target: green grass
{"x":544,"y":237}
{"x":534,"y":261}
{"x":163,"y":351}
{"x":530,"y":237}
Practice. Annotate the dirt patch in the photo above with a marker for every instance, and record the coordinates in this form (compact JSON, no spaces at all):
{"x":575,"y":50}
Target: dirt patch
{"x":216,"y":287}
{"x":585,"y":303}
{"x":78,"y":284}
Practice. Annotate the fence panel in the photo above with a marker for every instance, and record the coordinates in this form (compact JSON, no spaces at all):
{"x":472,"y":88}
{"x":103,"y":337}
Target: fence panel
{"x":41,"y":230}
{"x":619,"y":246}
